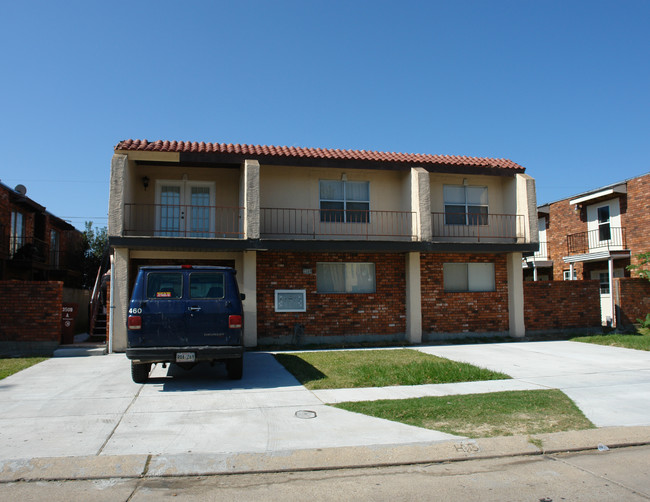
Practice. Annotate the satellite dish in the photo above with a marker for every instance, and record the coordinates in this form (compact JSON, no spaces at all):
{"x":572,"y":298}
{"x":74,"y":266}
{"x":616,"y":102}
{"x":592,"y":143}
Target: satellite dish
{"x":21,"y":189}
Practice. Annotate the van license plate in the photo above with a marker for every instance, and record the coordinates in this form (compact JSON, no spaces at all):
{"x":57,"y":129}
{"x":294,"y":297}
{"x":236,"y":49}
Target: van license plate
{"x":185,"y":357}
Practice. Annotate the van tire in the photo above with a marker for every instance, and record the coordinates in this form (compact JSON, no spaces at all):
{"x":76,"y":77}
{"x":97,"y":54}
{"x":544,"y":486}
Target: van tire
{"x":140,"y":372}
{"x":235,"y":368}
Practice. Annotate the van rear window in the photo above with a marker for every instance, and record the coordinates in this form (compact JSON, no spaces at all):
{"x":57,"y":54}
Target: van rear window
{"x":164,"y":285}
{"x":206,"y":285}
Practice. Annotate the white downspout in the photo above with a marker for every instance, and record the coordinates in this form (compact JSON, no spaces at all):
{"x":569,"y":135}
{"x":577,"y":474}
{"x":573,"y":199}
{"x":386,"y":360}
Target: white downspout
{"x":610,"y":271}
{"x":570,"y":271}
{"x":112,"y":309}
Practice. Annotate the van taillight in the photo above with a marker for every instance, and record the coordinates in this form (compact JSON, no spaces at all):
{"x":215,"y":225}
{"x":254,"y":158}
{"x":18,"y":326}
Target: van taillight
{"x":234,"y":322}
{"x":134,"y":322}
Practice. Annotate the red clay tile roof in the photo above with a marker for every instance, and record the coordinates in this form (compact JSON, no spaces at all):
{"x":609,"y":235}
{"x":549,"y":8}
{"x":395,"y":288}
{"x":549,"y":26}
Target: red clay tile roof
{"x":315,"y":153}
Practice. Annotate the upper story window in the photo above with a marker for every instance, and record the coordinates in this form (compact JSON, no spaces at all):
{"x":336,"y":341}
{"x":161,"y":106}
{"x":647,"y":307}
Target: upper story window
{"x":16,"y":232}
{"x":604,"y":229}
{"x":344,"y":201}
{"x":465,"y":205}
{"x":54,"y":248}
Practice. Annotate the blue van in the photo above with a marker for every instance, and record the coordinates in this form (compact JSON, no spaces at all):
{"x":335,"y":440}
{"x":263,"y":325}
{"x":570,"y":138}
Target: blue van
{"x":185,"y":314}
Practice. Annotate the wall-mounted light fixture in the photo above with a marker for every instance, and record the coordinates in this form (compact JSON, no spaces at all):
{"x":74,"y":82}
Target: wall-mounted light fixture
{"x":344,"y":177}
{"x":145,"y":182}
{"x":465,"y":182}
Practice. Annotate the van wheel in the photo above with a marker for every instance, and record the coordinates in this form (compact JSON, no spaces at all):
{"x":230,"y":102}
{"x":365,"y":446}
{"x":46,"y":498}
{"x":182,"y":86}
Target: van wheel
{"x":235,"y":368}
{"x":140,"y":372}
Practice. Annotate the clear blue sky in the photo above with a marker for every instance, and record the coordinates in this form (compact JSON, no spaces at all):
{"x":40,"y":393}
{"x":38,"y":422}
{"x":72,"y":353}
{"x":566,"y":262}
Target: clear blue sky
{"x":560,"y":87}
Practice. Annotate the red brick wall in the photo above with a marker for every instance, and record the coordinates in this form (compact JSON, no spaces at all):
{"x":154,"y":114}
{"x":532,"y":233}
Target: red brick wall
{"x":550,"y":305}
{"x":636,"y":219}
{"x":380,"y":313}
{"x":632,"y":298}
{"x":444,"y":312}
{"x":30,"y":311}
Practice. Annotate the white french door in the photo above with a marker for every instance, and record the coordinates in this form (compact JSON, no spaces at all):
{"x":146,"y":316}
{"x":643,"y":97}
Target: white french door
{"x":185,"y":208}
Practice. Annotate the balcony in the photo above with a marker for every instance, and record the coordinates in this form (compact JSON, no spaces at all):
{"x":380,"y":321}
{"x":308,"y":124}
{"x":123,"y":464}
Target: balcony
{"x":542,"y":254}
{"x":603,"y":239}
{"x":165,"y":220}
{"x":478,"y":227}
{"x":293,"y":223}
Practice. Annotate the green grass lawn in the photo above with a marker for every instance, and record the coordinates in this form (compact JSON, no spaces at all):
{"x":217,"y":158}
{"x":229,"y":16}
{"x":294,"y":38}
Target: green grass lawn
{"x":378,"y":368}
{"x":11,"y":365}
{"x":482,"y":415}
{"x":639,"y":342}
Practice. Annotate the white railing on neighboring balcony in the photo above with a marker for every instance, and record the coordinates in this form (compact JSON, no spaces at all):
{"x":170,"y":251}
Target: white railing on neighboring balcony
{"x":542,"y":254}
{"x":290,"y":223}
{"x":167,"y":220}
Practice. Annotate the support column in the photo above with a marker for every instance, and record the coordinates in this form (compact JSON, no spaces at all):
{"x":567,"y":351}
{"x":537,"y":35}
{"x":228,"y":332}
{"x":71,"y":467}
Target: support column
{"x":118,"y":181}
{"x":421,"y":203}
{"x":250,"y":198}
{"x":516,"y":295}
{"x":413,"y":299}
{"x":120,"y":298}
{"x":249,"y":288}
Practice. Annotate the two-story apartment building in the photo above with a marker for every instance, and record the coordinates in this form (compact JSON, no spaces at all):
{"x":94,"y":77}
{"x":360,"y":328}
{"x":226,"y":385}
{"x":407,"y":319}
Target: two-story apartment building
{"x":593,"y":235}
{"x":35,"y":244}
{"x":329,"y":245}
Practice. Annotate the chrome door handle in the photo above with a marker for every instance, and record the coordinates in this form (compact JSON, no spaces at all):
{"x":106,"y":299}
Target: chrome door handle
{"x":194,"y":309}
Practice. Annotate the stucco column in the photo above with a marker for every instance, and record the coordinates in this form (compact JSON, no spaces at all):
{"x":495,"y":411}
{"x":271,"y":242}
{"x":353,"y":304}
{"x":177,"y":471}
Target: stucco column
{"x":249,"y":288}
{"x":516,"y":295}
{"x":120,"y":298}
{"x":413,"y":299}
{"x":421,"y":203}
{"x":250,"y":198}
{"x":116,"y":199}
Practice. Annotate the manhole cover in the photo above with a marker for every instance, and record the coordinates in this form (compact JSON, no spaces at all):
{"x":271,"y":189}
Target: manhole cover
{"x":305,"y":414}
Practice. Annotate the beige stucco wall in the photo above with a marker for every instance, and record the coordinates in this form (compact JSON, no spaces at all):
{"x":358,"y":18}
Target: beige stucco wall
{"x":297,"y":187}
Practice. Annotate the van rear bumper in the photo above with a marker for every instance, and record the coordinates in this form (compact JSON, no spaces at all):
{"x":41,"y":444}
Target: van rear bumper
{"x":168,"y":354}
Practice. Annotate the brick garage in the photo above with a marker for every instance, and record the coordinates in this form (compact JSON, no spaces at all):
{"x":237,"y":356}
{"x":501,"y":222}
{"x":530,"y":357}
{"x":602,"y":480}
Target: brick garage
{"x":30,"y":315}
{"x":338,"y":316}
{"x":471,"y":312}
{"x":556,"y":305}
{"x":632,"y":298}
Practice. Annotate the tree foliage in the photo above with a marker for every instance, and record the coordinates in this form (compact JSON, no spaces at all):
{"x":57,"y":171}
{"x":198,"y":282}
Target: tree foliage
{"x":95,"y":243}
{"x":643,"y":265}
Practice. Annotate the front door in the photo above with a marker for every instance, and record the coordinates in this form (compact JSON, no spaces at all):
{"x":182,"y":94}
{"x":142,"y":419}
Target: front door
{"x":184,"y":208}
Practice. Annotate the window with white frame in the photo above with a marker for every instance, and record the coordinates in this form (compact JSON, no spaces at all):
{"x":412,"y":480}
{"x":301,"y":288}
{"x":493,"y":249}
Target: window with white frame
{"x":344,"y":201}
{"x":604,"y":230}
{"x":465,"y":205}
{"x":463,"y":277}
{"x":340,"y":277}
{"x":567,"y":275}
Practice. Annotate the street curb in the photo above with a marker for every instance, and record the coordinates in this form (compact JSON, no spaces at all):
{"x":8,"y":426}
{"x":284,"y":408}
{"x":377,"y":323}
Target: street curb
{"x":152,"y":466}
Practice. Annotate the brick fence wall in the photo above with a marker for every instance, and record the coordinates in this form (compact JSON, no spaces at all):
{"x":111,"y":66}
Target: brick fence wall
{"x":359,"y":316}
{"x":632,"y":298}
{"x":30,"y":312}
{"x":552,"y":305}
{"x":445,"y":312}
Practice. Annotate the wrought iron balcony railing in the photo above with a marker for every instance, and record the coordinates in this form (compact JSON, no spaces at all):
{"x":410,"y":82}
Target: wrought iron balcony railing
{"x":604,"y":238}
{"x":166,"y":220}
{"x":478,"y":227}
{"x":334,"y":223}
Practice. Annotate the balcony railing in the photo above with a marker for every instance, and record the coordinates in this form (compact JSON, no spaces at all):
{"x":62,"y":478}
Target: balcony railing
{"x":165,"y":220}
{"x":469,"y":227}
{"x":334,"y":223}
{"x":596,"y":240}
{"x":28,"y":249}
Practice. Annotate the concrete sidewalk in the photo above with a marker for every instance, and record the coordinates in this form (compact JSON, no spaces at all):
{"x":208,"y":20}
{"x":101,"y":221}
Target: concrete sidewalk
{"x":84,"y":417}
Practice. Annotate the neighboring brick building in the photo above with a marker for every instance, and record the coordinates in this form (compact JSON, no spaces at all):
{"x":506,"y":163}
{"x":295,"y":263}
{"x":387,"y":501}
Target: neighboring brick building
{"x":35,"y":245}
{"x":593,"y":235}
{"x":331,"y":246}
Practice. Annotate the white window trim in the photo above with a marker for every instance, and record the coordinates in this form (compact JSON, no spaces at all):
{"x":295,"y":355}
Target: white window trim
{"x":185,"y":186}
{"x":465,"y":187}
{"x":345,"y":200}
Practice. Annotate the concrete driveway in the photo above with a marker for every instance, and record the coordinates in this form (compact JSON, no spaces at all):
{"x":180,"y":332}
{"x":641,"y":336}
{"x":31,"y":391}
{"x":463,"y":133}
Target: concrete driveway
{"x":88,"y":406}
